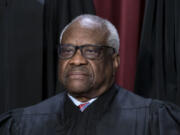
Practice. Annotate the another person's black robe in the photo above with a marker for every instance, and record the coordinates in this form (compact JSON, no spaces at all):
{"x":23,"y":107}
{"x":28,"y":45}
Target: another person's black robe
{"x":158,"y":65}
{"x":29,"y":36}
{"x":117,"y":112}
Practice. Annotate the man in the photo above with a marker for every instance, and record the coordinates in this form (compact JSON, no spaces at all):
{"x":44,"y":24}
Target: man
{"x":92,"y":103}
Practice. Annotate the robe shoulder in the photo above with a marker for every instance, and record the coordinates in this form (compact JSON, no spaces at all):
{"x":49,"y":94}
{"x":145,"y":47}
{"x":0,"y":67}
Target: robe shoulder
{"x":48,"y":106}
{"x":43,"y":114}
{"x":126,"y":99}
{"x":164,"y":118}
{"x":155,"y":116}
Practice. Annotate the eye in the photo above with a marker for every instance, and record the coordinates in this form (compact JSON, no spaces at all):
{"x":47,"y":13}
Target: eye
{"x":66,"y":51}
{"x":91,"y":51}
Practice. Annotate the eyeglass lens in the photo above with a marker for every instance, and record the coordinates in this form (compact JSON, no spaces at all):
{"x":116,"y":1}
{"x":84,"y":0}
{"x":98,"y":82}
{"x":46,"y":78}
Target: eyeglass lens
{"x":87,"y":51}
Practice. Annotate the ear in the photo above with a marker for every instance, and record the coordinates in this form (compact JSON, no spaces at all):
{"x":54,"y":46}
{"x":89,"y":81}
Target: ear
{"x":116,"y":61}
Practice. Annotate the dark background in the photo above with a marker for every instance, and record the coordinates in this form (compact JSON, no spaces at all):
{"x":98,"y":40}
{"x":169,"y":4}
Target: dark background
{"x":29,"y":31}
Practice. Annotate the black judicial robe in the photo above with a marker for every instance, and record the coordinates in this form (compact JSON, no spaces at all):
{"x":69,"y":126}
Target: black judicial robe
{"x":116,"y":112}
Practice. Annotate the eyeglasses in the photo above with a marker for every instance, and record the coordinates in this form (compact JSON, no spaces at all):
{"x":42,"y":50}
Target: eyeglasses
{"x":67,"y":51}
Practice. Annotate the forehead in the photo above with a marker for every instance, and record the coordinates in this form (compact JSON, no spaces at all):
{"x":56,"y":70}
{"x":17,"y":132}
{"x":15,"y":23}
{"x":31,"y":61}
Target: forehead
{"x":85,"y":32}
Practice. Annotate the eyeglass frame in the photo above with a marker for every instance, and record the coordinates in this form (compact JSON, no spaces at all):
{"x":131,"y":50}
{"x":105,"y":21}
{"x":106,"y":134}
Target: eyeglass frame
{"x":76,"y":48}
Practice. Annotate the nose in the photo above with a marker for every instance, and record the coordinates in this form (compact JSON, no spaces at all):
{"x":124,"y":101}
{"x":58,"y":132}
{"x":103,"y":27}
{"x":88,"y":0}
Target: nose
{"x":78,"y":59}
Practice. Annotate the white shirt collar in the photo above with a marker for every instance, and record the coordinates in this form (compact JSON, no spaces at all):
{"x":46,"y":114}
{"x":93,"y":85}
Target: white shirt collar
{"x":77,"y":102}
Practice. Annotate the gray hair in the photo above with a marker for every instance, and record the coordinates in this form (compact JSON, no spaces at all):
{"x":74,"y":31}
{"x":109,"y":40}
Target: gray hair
{"x":113,"y":37}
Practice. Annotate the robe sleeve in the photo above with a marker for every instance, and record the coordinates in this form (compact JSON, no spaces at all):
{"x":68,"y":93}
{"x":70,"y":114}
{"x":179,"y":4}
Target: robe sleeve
{"x":164,"y":119}
{"x":9,"y":124}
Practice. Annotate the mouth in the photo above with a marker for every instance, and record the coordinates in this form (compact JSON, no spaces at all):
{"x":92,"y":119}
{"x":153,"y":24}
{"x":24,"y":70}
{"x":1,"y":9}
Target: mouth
{"x":78,"y":75}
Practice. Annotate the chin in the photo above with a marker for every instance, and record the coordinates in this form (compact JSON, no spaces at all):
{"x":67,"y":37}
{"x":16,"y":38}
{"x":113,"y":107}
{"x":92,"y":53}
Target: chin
{"x":78,"y":87}
{"x":77,"y":91}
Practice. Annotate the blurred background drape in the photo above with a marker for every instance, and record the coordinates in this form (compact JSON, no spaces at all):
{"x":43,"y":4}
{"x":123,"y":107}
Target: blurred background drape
{"x":29,"y":32}
{"x":127,"y":16}
{"x":158,"y":71}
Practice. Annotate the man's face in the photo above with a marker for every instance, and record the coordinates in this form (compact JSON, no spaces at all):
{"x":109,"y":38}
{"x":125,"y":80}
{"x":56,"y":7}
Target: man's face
{"x":86,"y":77}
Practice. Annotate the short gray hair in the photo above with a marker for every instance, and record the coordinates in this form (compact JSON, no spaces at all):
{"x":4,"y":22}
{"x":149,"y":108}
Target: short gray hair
{"x":113,"y":37}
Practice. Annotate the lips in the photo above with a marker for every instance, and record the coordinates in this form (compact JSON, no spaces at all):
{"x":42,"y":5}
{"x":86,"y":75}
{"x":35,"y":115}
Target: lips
{"x":79,"y":75}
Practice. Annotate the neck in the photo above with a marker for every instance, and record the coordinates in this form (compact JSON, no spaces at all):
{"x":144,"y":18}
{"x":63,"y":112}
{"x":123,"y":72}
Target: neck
{"x":81,"y":98}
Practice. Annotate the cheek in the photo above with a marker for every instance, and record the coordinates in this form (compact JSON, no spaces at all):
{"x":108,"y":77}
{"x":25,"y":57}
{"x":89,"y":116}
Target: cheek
{"x":61,"y":69}
{"x":99,"y":71}
{"x":103,"y":71}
